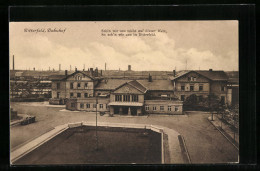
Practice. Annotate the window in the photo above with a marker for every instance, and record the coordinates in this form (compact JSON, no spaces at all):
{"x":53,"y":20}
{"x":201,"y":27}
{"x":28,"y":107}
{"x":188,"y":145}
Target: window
{"x":118,"y":98}
{"x":192,"y":78}
{"x":162,"y":108}
{"x":78,"y":85}
{"x":200,"y":87}
{"x":134,"y":98}
{"x":58,"y":95}
{"x":222,"y":88}
{"x":58,"y":85}
{"x":72,"y":104}
{"x":182,"y":97}
{"x":182,"y":87}
{"x":78,"y":94}
{"x":191,"y":88}
{"x":88,"y":105}
{"x":94,"y":105}
{"x":71,"y":85}
{"x":176,"y":109}
{"x":86,"y":85}
{"x":154,"y":107}
{"x":85,"y":95}
{"x":169,"y":108}
{"x":126,"y":98}
{"x":71,"y":95}
{"x":81,"y":105}
{"x":101,"y":106}
{"x":146,"y":107}
{"x":79,"y":77}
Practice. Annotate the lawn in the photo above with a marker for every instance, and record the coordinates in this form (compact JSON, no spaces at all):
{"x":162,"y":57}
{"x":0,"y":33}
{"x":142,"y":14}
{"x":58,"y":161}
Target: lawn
{"x":115,"y":146}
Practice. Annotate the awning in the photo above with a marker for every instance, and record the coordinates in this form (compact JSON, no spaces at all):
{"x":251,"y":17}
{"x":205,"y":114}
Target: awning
{"x":125,"y":104}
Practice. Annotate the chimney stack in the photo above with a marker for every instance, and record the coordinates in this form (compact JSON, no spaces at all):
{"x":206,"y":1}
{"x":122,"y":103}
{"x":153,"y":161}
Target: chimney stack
{"x":70,"y":67}
{"x":105,"y":66}
{"x":96,"y":72}
{"x":150,"y":78}
{"x":66,"y":73}
{"x":129,"y":67}
{"x":34,"y":68}
{"x":91,"y":71}
{"x":210,"y":70}
{"x":59,"y":67}
{"x":76,"y":69}
{"x":101,"y":72}
{"x":174,"y":73}
{"x":13,"y":62}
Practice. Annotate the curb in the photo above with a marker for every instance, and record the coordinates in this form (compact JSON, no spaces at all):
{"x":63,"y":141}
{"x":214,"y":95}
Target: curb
{"x":185,"y":150}
{"x":224,"y":135}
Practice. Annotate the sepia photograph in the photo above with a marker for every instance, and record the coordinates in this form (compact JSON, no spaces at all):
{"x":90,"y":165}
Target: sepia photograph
{"x":124,"y":92}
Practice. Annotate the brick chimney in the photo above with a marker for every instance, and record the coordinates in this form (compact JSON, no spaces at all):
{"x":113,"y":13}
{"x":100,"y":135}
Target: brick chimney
{"x":91,"y":72}
{"x":150,"y":78}
{"x":66,"y":73}
{"x":174,"y":73}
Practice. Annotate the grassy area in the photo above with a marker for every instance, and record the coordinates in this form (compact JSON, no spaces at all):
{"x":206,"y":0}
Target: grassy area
{"x":115,"y":146}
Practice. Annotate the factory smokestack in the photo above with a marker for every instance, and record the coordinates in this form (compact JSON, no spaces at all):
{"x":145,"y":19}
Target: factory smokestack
{"x":13,"y":62}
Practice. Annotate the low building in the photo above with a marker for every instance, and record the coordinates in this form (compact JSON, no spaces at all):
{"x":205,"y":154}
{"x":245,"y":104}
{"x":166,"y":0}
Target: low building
{"x":125,"y":97}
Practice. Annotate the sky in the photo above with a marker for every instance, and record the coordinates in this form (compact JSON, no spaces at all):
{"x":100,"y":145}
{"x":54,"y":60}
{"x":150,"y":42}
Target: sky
{"x":192,"y":45}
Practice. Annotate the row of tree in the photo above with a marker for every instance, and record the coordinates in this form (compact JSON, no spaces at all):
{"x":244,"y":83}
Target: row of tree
{"x":212,"y":103}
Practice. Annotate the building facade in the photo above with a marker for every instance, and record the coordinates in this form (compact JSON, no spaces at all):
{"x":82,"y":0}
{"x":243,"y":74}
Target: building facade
{"x":77,"y":85}
{"x":84,"y":92}
{"x":201,"y":83}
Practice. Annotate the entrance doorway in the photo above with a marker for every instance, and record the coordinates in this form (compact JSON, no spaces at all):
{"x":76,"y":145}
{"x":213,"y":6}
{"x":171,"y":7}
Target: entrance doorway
{"x":133,"y":110}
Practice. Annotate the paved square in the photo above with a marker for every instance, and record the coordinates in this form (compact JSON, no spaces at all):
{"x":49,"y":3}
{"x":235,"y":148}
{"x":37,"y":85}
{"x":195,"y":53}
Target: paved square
{"x":204,"y":143}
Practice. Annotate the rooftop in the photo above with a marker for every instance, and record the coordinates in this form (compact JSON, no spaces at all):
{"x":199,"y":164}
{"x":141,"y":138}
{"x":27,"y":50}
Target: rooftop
{"x":212,"y":75}
{"x":157,"y":84}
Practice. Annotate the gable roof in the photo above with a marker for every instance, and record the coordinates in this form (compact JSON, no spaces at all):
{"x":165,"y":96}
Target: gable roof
{"x":137,"y":85}
{"x":157,"y":84}
{"x":212,"y":75}
{"x":63,"y":77}
{"x":134,"y":84}
{"x":81,"y":73}
{"x":110,"y":84}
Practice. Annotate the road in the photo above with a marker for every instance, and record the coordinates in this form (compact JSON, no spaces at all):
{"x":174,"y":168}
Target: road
{"x":204,"y":143}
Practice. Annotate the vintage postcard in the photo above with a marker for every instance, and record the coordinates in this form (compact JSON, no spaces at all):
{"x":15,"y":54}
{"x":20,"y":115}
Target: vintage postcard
{"x":124,"y":92}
